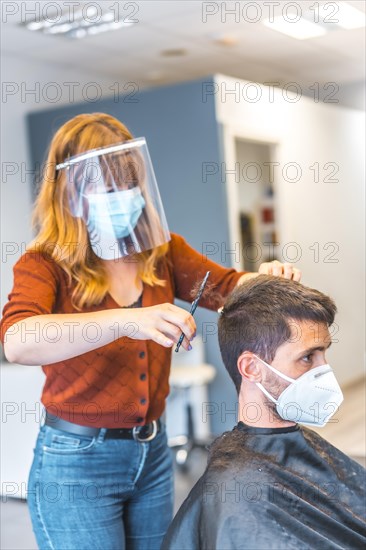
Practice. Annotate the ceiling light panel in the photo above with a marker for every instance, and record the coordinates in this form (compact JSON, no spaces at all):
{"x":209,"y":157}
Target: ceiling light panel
{"x":316,"y":19}
{"x":301,"y":29}
{"x":350,"y":17}
{"x":79,"y":23}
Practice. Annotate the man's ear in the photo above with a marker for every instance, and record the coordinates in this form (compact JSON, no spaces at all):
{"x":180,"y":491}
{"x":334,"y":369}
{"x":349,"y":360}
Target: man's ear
{"x":248,"y":367}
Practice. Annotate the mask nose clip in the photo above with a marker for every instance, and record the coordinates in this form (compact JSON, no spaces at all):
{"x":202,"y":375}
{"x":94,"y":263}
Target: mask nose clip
{"x":318,"y":374}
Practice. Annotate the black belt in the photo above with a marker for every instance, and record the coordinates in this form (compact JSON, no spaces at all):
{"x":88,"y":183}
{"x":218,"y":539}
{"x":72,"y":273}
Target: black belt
{"x":147,"y":432}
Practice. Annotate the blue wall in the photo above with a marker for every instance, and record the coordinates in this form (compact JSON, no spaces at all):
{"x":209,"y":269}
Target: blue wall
{"x":182,"y":132}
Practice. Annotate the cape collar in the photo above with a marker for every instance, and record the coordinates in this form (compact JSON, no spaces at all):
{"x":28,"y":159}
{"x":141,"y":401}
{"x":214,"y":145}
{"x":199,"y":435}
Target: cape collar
{"x":265,"y":431}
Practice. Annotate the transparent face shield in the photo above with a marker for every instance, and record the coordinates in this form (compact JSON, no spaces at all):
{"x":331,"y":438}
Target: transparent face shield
{"x":114,"y":190}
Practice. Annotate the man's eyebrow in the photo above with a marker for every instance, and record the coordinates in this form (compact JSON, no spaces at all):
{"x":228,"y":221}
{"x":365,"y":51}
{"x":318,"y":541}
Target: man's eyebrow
{"x":315,"y":348}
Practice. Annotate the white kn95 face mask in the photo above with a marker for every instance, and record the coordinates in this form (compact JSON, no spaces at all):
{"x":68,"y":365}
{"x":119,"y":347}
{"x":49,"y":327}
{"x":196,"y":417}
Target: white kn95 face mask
{"x":312,"y":399}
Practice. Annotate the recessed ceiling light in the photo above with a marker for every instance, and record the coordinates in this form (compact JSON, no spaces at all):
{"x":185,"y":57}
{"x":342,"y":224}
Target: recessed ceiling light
{"x":155,"y":76}
{"x":226,"y":40}
{"x":35,"y":25}
{"x":301,"y":29}
{"x":174,"y":52}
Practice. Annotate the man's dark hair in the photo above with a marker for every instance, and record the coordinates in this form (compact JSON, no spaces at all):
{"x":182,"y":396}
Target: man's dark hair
{"x":258,"y":314}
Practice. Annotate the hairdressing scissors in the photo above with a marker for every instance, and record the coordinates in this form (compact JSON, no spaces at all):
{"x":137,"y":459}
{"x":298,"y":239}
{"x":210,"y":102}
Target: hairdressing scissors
{"x":194,"y":306}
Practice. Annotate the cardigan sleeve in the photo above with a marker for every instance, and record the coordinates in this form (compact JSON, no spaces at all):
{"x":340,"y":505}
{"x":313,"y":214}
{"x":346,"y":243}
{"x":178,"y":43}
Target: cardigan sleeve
{"x":34,"y":290}
{"x":190,"y":267}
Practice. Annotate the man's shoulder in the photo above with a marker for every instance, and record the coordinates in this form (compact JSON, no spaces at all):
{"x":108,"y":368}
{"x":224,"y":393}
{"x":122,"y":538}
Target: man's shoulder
{"x":226,"y":501}
{"x":254,"y":478}
{"x":337,"y":458}
{"x":229,"y":453}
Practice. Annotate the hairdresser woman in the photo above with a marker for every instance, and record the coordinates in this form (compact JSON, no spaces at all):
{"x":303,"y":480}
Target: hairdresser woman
{"x":92,"y":303}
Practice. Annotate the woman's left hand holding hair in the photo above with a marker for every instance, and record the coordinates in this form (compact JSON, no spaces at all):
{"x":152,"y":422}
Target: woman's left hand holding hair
{"x":275,"y":268}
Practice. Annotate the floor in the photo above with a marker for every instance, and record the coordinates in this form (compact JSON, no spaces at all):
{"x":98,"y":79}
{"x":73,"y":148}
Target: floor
{"x":16,"y":529}
{"x":347,"y":432}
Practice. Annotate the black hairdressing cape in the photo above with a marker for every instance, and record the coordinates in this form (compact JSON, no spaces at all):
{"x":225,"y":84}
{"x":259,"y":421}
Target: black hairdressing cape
{"x":268,"y":488}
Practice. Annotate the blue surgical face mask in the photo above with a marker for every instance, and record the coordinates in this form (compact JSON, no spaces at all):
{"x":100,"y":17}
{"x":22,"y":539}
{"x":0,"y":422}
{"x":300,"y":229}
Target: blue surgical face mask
{"x":112,"y":216}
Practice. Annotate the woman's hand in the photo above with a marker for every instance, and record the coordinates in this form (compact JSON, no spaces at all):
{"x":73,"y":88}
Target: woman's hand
{"x":163,"y":324}
{"x":276,"y":268}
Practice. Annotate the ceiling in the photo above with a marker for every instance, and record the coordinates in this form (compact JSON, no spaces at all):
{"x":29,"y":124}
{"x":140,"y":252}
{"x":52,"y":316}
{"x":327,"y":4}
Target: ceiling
{"x":133,"y":53}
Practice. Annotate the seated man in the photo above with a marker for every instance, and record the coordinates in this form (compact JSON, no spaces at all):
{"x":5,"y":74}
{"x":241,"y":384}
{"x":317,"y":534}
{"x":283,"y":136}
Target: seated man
{"x":270,"y":483}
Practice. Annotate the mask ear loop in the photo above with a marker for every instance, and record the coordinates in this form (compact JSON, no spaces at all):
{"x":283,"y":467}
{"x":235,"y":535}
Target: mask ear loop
{"x":266,"y":392}
{"x":276,"y":371}
{"x":287,"y":378}
{"x":134,"y":192}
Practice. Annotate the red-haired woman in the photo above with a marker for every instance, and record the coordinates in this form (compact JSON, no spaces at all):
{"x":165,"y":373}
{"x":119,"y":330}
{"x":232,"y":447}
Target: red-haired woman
{"x":92,"y":303}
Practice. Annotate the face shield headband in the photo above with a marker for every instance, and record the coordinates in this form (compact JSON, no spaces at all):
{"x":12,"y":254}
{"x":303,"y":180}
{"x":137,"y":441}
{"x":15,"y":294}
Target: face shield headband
{"x":114,"y":191}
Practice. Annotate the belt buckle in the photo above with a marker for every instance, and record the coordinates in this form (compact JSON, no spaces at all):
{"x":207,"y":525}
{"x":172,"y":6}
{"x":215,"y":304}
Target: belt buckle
{"x":136,"y":430}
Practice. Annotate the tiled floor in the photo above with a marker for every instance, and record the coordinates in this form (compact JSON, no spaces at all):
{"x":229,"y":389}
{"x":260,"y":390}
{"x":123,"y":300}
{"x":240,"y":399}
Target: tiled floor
{"x":347,"y":433}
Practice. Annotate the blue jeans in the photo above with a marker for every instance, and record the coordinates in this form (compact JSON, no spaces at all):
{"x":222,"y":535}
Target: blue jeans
{"x":88,"y":493}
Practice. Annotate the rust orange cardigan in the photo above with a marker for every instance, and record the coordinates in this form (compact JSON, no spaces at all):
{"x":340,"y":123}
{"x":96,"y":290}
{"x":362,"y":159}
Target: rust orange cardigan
{"x":124,"y":383}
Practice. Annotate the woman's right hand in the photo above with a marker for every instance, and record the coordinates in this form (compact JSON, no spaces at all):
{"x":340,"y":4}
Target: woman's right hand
{"x":163,"y":324}
{"x":50,"y":338}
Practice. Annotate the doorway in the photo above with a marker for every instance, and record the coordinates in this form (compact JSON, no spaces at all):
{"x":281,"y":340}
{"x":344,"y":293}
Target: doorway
{"x":255,"y":177}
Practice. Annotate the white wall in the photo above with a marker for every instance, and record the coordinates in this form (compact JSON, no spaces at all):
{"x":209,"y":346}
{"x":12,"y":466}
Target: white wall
{"x":23,"y":75}
{"x":21,"y":385}
{"x":352,"y":95}
{"x":310,"y":212}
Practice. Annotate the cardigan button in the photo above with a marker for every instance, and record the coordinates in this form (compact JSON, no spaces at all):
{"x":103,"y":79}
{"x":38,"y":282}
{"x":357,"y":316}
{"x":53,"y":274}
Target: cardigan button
{"x":139,"y":419}
{"x":143,"y":401}
{"x":142,"y":354}
{"x":143,"y":376}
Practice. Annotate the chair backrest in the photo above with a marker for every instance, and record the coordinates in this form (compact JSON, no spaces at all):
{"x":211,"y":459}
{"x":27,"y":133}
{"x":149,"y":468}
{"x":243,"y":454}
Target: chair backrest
{"x":194,"y":357}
